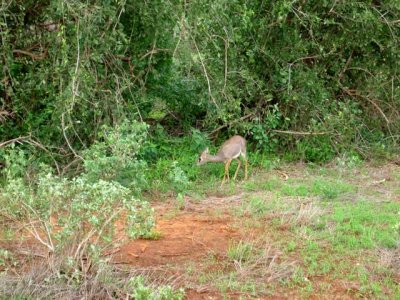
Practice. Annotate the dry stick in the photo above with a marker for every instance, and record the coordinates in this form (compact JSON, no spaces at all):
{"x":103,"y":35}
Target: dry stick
{"x":75,"y":86}
{"x":205,"y":73}
{"x":355,"y":93}
{"x":92,"y":232}
{"x":286,"y":176}
{"x":154,"y":51}
{"x":385,"y":21}
{"x":29,"y":140}
{"x":18,"y":139}
{"x":333,"y":6}
{"x":298,"y":132}
{"x":346,"y":66}
{"x":30,"y":54}
{"x":128,"y":81}
{"x":292,"y":63}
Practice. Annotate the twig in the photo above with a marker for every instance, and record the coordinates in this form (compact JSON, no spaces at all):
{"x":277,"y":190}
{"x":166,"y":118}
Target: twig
{"x":27,"y":253}
{"x":386,"y":21}
{"x":292,"y":63}
{"x":175,"y":254}
{"x":298,"y":132}
{"x":151,"y":53}
{"x":49,"y":244}
{"x":29,"y":140}
{"x":154,"y":51}
{"x":226,"y":58}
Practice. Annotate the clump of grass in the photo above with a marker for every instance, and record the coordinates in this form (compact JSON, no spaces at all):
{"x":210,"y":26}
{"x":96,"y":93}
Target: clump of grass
{"x":240,"y":252}
{"x":255,"y":268}
{"x":306,"y":214}
{"x":153,"y":234}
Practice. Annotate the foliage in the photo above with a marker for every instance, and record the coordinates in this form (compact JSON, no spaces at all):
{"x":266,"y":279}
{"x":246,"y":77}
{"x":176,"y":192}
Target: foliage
{"x":80,"y":208}
{"x":115,"y":156}
{"x":75,"y":218}
{"x":70,"y":67}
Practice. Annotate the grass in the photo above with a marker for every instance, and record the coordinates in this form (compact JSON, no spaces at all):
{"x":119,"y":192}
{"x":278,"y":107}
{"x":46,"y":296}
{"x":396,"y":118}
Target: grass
{"x":322,"y":231}
{"x":328,"y":221}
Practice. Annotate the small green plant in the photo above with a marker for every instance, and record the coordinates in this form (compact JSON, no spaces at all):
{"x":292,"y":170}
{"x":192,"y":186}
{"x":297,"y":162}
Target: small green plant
{"x":291,"y":246}
{"x":5,"y":256}
{"x":142,"y":291}
{"x":178,"y":178}
{"x":15,"y":161}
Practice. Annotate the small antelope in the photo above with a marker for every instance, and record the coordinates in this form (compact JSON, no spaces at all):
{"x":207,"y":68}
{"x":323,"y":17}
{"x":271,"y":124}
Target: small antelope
{"x":231,"y":149}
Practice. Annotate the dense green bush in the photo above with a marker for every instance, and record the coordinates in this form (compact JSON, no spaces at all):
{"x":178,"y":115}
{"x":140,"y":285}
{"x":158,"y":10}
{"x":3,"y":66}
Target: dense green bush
{"x":259,"y":68}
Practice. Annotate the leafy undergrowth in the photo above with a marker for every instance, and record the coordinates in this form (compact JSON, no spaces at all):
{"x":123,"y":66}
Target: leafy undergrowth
{"x":297,"y":232}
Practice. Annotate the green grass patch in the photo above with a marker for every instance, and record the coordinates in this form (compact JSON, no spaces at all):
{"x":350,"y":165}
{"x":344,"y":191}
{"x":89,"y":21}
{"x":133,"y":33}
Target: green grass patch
{"x":319,"y":187}
{"x":365,"y":224}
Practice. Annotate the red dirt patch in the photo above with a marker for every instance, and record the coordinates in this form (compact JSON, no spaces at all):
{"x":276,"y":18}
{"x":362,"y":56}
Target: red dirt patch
{"x":185,"y":237}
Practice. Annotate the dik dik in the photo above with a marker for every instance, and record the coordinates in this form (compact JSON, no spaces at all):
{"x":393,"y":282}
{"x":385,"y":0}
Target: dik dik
{"x":234,"y":148}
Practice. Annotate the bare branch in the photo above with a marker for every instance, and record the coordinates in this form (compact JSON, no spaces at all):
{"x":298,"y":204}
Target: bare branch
{"x":18,"y":139}
{"x":298,"y":132}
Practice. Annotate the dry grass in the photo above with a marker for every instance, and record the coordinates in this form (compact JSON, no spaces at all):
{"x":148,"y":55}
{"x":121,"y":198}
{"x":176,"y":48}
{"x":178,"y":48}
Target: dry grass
{"x":390,"y":259}
{"x":303,"y":215}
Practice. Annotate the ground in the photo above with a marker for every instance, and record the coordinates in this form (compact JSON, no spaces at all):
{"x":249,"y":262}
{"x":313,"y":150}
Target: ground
{"x":293,"y":233}
{"x":297,"y":232}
